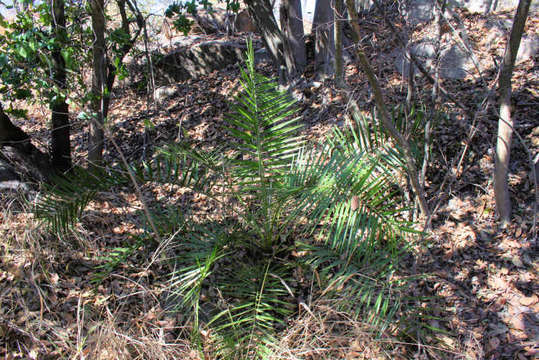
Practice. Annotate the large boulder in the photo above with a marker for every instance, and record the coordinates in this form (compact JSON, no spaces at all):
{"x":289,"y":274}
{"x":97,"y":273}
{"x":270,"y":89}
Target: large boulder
{"x":210,"y":22}
{"x":421,"y":11}
{"x":418,"y":11}
{"x":7,"y":173}
{"x":454,"y":62}
{"x":203,"y":22}
{"x":199,"y":60}
{"x":500,"y":28}
{"x":529,"y":46}
{"x":9,"y":180}
{"x":488,"y":6}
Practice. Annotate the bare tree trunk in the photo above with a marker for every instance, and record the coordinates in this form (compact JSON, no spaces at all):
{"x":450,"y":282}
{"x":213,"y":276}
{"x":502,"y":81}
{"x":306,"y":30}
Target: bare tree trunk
{"x":438,"y":20}
{"x":111,"y":68}
{"x":339,"y":63}
{"x":324,"y":42}
{"x":505,"y":122}
{"x":384,"y":114}
{"x":60,"y":144}
{"x":293,"y":35}
{"x":151,"y":83}
{"x":262,"y":13}
{"x":96,"y":133}
{"x":14,"y":137}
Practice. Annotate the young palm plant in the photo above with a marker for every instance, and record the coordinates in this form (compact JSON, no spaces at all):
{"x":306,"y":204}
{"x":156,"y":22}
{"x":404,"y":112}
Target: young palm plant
{"x":337,"y":203}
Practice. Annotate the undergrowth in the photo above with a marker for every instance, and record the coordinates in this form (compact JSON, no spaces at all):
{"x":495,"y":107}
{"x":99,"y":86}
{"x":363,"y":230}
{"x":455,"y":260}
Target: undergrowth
{"x":300,"y":225}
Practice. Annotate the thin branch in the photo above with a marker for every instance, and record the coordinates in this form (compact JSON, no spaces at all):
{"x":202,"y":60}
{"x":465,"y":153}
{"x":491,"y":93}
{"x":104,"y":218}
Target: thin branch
{"x":384,"y":114}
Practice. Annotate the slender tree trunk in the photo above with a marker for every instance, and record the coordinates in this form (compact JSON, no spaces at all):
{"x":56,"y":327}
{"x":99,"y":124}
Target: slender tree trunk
{"x":324,"y":42}
{"x":338,"y":25}
{"x":151,"y":83}
{"x":505,"y":122}
{"x":96,"y":133}
{"x":111,"y":69}
{"x":438,"y":21}
{"x":292,"y":29}
{"x":60,"y":144}
{"x":262,"y":13}
{"x":384,"y":114}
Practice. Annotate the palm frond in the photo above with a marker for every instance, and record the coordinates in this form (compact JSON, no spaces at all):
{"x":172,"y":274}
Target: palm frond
{"x":259,"y":307}
{"x":349,"y":193}
{"x":263,"y":125}
{"x":365,"y":284}
{"x":61,"y":204}
{"x":180,"y":165}
{"x":352,"y":196}
{"x":200,"y":251}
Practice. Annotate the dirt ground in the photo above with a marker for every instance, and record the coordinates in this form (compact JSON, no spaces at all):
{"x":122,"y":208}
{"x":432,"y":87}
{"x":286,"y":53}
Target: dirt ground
{"x":480,"y":286}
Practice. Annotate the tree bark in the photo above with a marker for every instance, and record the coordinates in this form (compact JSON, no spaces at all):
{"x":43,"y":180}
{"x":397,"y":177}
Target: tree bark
{"x":324,"y":37}
{"x":292,"y":29}
{"x":505,"y":122}
{"x":262,"y":13}
{"x":124,"y":50}
{"x":60,"y":143}
{"x":13,"y":136}
{"x":411,"y":167}
{"x":338,"y":25}
{"x":97,"y":121}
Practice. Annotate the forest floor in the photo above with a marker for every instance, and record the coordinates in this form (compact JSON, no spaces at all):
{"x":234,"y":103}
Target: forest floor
{"x":480,"y":289}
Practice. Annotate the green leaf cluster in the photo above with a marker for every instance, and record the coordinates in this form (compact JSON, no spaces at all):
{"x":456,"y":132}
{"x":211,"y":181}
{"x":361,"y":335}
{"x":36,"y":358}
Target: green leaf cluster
{"x":26,"y":54}
{"x":179,"y":9}
{"x":332,"y":210}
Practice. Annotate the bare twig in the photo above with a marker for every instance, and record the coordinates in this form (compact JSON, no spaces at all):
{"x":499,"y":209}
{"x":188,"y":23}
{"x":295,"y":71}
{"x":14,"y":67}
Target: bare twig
{"x":151,"y":99}
{"x":384,"y":114}
{"x":145,"y":207}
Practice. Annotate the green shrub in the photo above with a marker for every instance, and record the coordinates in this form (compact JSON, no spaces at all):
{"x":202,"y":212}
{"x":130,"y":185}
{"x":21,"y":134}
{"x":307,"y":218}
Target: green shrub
{"x":329,"y":209}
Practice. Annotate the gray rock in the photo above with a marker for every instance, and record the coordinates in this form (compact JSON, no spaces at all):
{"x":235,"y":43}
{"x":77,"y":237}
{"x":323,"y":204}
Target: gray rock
{"x":500,"y":28}
{"x":9,"y":179}
{"x":7,"y":173}
{"x":203,"y":22}
{"x":13,"y":185}
{"x":454,"y":63}
{"x":421,"y":11}
{"x":199,"y":60}
{"x":418,"y":11}
{"x":162,"y":93}
{"x":425,"y":50}
{"x":488,"y":6}
{"x":529,"y":46}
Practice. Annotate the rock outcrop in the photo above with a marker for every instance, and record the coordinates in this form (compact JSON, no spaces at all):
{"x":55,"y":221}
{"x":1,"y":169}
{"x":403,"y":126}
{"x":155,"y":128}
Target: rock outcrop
{"x":455,"y":61}
{"x":199,"y":60}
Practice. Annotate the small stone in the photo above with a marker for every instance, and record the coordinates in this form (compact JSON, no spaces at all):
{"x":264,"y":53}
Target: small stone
{"x":164,"y":92}
{"x":517,"y":322}
{"x":517,"y":262}
{"x":493,"y":343}
{"x":528,"y":300}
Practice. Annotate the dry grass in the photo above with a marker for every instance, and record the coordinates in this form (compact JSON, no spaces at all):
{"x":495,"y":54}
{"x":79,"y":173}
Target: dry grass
{"x":51,"y":310}
{"x":323,"y":332}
